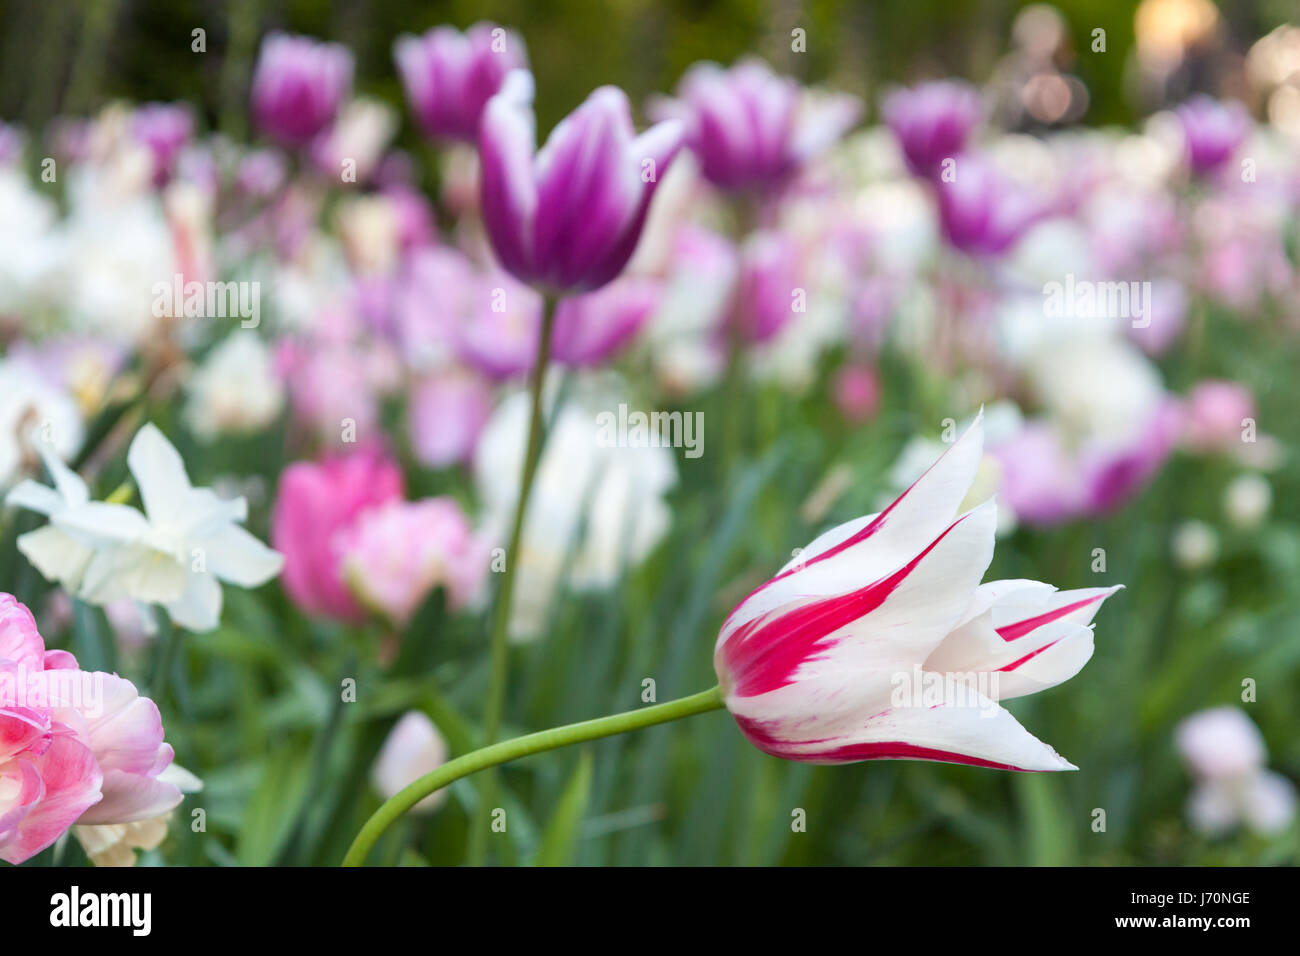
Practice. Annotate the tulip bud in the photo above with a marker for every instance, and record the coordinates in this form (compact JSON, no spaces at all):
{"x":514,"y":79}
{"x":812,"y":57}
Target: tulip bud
{"x":298,"y":86}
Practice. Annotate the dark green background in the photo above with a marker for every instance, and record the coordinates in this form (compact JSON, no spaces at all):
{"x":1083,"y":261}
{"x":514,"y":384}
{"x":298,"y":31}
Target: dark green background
{"x":73,"y":55}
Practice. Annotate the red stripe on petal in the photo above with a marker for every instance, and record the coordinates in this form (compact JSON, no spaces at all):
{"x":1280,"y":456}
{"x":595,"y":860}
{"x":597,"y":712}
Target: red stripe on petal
{"x":1030,"y":656}
{"x":770,"y":744}
{"x":1019,"y":629}
{"x":763,"y":654}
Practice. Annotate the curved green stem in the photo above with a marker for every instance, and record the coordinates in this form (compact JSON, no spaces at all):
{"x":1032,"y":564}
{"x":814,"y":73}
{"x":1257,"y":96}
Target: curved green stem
{"x":505,"y":596}
{"x":499,"y":753}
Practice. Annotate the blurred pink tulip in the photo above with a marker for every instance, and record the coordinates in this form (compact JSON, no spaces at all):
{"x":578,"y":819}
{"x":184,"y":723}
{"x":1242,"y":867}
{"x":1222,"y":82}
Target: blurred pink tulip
{"x":590,"y":328}
{"x":447,"y":412}
{"x":857,"y":393}
{"x":1212,"y":131}
{"x":1215,"y":414}
{"x":396,"y":553}
{"x":316,"y":507}
{"x":164,"y":128}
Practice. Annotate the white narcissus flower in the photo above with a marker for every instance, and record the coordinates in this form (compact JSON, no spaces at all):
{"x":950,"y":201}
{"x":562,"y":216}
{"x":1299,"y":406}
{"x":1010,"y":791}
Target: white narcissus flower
{"x":31,"y":409}
{"x":114,"y":844}
{"x":236,"y":389}
{"x":835,"y":658}
{"x":175,"y":553}
{"x":51,"y":550}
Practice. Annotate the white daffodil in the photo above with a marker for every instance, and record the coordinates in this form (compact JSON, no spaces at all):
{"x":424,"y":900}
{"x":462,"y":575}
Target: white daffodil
{"x":175,"y":554}
{"x":55,"y":553}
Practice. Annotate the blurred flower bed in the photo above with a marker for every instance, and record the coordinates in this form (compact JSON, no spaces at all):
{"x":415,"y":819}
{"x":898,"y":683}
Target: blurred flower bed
{"x":311,"y":372}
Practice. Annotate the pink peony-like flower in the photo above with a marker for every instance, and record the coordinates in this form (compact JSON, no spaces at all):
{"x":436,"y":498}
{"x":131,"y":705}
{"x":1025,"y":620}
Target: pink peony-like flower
{"x":316,"y":505}
{"x":397,"y":553}
{"x":76,"y":747}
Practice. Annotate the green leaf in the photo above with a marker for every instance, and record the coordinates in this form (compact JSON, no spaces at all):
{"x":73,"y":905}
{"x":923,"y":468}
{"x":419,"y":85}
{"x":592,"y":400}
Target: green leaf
{"x":559,"y":843}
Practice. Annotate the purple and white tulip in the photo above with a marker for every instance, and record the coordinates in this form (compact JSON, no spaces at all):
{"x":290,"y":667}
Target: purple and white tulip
{"x":1212,"y":132}
{"x":298,"y":87}
{"x":981,"y":212}
{"x":751,"y":128}
{"x":931,"y":122}
{"x":449,"y":76}
{"x":567,"y":217}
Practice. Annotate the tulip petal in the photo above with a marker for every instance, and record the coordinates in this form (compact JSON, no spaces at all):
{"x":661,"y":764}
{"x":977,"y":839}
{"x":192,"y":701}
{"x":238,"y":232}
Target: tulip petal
{"x":587,"y":190}
{"x":982,"y":734}
{"x":869,"y":548}
{"x":160,"y":475}
{"x":899,"y":617}
{"x":507,"y":141}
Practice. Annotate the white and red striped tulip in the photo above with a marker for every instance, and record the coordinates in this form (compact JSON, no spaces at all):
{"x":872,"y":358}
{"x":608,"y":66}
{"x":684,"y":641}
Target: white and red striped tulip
{"x":810,"y":662}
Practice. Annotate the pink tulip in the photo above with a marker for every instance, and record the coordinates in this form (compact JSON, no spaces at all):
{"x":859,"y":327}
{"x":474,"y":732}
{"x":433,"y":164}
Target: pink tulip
{"x":1215,"y":415}
{"x":857,"y":393}
{"x":590,"y":328}
{"x":164,"y":128}
{"x":449,"y":76}
{"x":316,"y":506}
{"x":830,"y":660}
{"x":397,"y":553}
{"x":498,"y":333}
{"x":1112,"y":477}
{"x":298,"y":86}
{"x":568,"y":217}
{"x":446,"y":413}
{"x":75,"y":747}
{"x":768,"y":286}
{"x":1039,"y":481}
